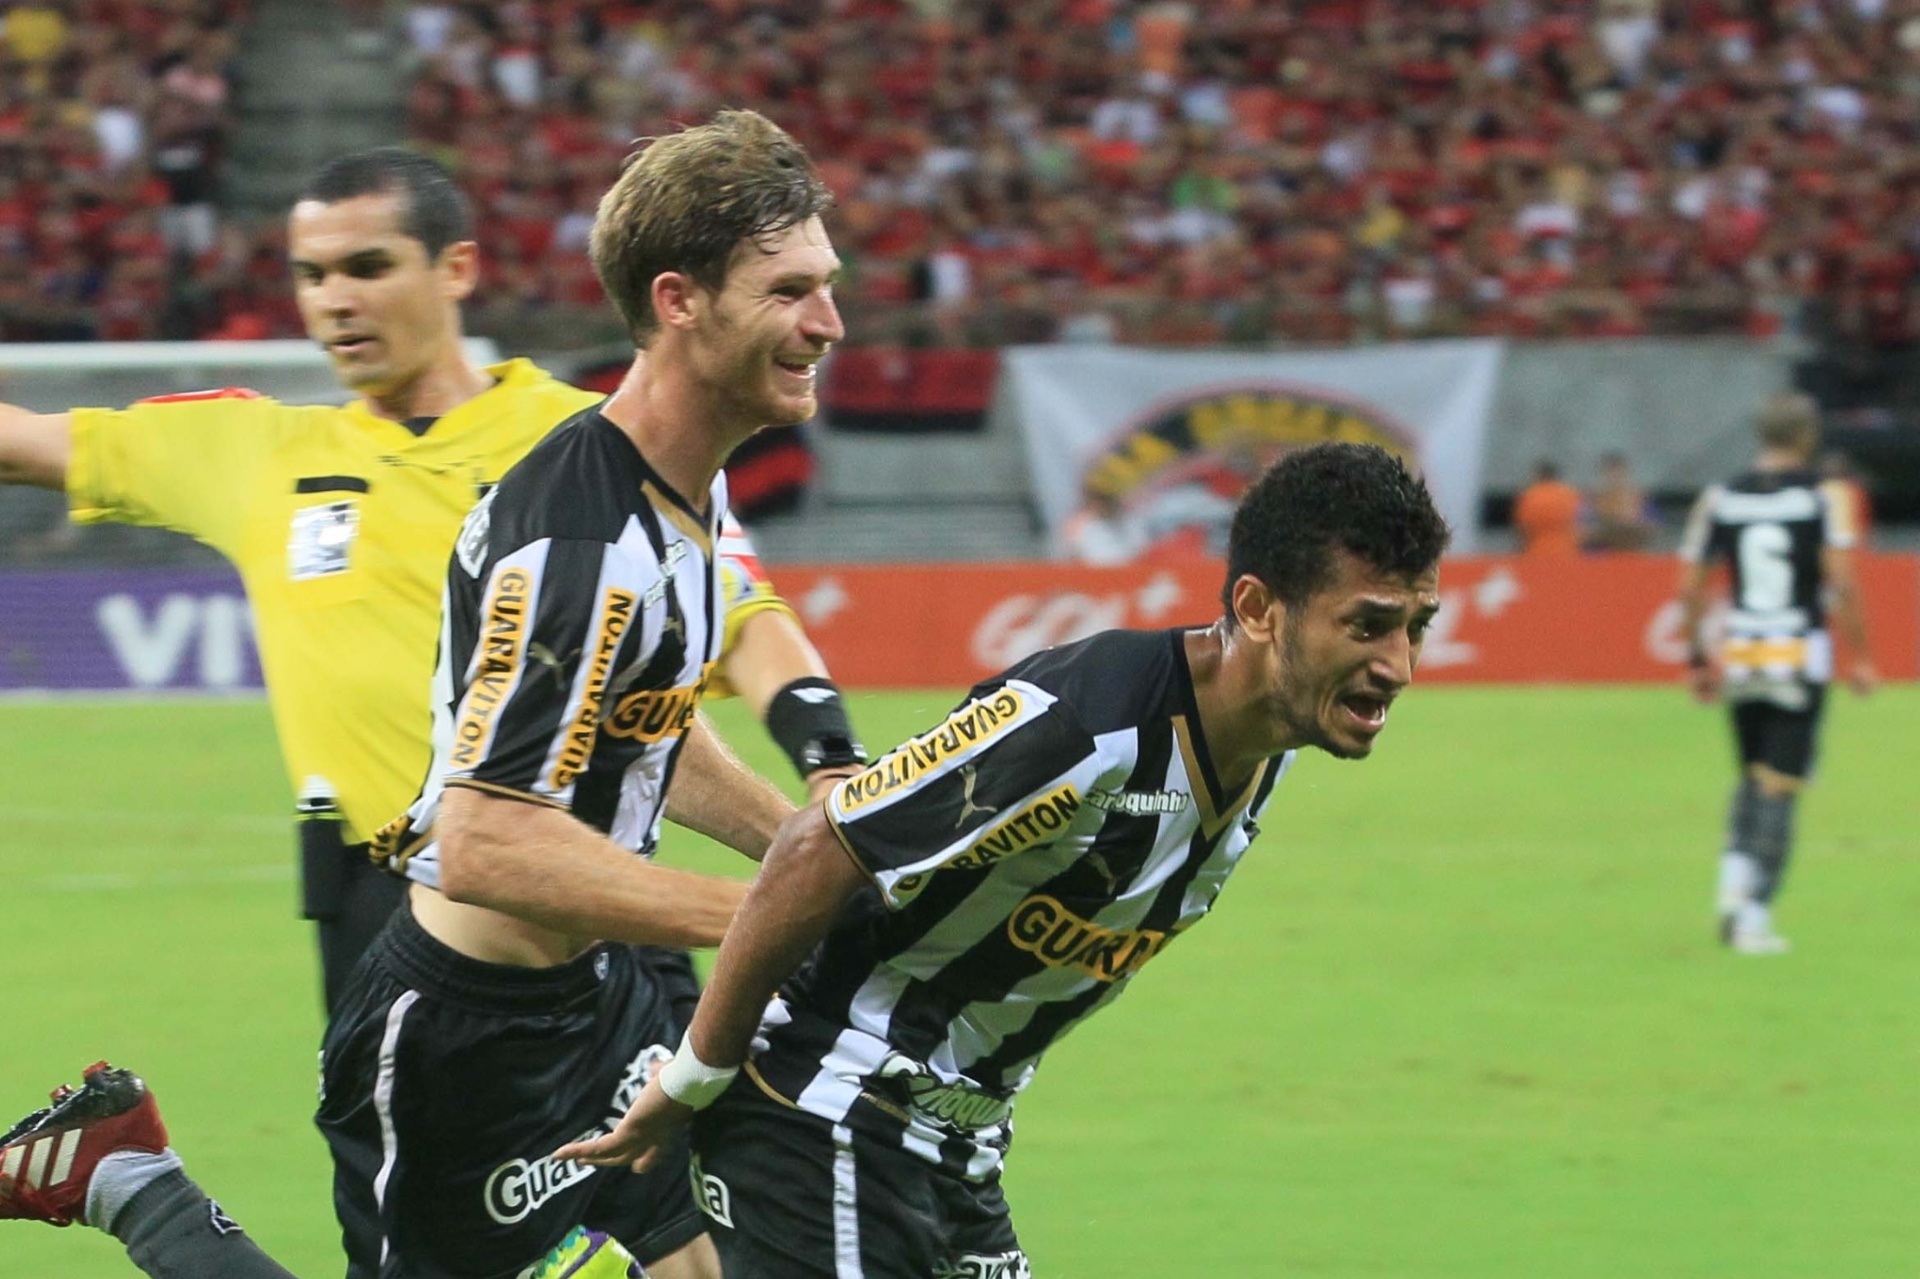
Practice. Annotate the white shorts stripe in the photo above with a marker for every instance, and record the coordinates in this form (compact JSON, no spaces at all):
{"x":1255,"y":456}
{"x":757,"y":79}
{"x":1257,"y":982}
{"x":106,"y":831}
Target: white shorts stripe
{"x":63,"y":1156}
{"x":383,"y":1102}
{"x":846,"y":1208}
{"x":37,"y":1163}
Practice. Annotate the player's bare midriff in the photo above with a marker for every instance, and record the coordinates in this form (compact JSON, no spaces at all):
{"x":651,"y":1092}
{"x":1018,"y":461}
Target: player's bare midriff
{"x":490,"y":936}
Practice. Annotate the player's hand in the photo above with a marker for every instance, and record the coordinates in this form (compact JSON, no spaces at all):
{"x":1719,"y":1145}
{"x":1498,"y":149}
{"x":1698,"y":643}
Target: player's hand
{"x":1864,"y":677}
{"x":648,"y":1125}
{"x":1705,"y":683}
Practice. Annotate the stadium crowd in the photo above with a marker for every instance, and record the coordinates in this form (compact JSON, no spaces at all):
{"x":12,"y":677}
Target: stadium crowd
{"x":113,"y":115}
{"x":1325,"y":170}
{"x":1331,"y":170}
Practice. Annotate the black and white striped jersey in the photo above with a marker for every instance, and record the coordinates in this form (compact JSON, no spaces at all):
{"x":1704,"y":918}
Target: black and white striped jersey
{"x":1028,"y":856}
{"x":1771,"y":528}
{"x":578,"y":627}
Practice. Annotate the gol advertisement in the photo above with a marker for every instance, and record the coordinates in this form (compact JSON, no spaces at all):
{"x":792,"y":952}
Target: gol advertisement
{"x":1503,"y":619}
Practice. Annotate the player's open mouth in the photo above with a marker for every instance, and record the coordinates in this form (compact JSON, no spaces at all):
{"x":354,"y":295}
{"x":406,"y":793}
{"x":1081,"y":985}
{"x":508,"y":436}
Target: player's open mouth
{"x":1369,"y":710}
{"x":797,"y":368}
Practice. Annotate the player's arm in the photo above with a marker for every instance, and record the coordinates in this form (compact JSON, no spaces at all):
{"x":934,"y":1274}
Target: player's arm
{"x":35,"y":447}
{"x":772,"y":665}
{"x":1701,"y":675}
{"x":893,"y":826}
{"x":802,"y":886}
{"x":1838,"y":569}
{"x":775,"y":667}
{"x":543,"y":865}
{"x":714,"y":793}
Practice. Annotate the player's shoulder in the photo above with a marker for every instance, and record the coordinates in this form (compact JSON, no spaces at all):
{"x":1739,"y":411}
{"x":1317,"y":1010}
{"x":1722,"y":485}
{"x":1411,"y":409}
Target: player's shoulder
{"x":1112,"y":680}
{"x":577,"y":483}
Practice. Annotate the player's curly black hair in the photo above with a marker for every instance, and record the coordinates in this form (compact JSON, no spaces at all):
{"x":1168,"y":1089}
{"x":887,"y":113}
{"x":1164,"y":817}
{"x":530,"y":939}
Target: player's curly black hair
{"x":433,"y":210}
{"x":1356,"y":497}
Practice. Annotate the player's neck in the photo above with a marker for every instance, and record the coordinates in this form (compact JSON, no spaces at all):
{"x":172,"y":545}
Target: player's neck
{"x":1781,"y":460}
{"x":1226,"y":691}
{"x":438,"y":390}
{"x":673,"y":422}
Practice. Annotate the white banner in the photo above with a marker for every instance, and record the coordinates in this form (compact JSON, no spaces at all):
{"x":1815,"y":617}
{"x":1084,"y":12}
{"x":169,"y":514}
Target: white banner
{"x":1129,"y":447}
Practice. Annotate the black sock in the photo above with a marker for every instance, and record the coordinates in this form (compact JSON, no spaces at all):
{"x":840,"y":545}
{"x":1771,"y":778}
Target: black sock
{"x":1740,"y":817}
{"x":173,"y":1231}
{"x":1771,"y":843}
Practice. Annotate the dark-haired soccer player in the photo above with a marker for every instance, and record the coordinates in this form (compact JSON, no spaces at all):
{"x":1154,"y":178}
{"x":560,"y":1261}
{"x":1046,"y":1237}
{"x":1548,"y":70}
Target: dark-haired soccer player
{"x":957,"y":907}
{"x":1787,"y":537}
{"x":340,"y":519}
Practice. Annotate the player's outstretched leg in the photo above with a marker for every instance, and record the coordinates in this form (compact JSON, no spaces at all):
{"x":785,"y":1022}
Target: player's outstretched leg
{"x":99,"y":1155}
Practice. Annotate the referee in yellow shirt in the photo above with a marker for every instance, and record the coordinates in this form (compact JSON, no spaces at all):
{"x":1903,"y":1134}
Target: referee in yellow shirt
{"x":340,"y":519}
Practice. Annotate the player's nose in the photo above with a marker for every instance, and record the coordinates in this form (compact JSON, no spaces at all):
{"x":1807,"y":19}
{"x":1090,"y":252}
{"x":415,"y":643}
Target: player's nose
{"x":822,"y":323}
{"x":1393,"y":659}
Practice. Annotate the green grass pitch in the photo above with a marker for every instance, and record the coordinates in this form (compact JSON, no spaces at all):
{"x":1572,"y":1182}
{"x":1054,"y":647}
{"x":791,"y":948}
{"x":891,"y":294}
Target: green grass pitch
{"x":1459,"y":1014}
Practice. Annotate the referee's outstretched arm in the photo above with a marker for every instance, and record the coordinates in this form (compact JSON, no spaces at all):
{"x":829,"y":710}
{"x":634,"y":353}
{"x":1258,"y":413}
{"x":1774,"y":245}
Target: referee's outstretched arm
{"x":35,"y":447}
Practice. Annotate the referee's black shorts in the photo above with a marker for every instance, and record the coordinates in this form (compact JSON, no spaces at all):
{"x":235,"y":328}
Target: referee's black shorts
{"x":447,"y":1082}
{"x":1782,"y":738}
{"x":793,"y":1196}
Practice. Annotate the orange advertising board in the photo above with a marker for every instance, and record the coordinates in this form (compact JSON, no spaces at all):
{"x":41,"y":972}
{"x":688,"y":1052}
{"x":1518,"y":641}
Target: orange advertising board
{"x":1504,"y":619}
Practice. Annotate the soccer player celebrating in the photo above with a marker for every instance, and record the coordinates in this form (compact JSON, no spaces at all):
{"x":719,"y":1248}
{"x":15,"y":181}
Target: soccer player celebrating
{"x":494,"y":1019}
{"x":954,"y":909}
{"x":340,"y":520}
{"x":1787,"y":537}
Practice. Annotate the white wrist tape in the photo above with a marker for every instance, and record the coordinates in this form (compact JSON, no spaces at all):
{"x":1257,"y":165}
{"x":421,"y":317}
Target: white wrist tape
{"x":692,"y":1082}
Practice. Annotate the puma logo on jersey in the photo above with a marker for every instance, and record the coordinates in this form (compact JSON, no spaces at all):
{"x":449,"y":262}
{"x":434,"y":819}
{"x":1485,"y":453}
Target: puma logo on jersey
{"x":970,"y":777}
{"x":540,"y":653}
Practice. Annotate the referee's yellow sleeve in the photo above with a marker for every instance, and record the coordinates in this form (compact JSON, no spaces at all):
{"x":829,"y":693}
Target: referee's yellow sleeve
{"x":182,"y":465}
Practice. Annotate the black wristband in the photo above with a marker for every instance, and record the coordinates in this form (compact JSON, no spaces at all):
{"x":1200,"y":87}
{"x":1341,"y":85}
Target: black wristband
{"x":809,"y":722}
{"x":1697,"y":657}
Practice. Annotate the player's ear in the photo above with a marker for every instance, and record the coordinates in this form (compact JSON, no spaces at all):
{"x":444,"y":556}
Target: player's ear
{"x":677,"y":299}
{"x":1257,"y":611}
{"x":459,"y":268}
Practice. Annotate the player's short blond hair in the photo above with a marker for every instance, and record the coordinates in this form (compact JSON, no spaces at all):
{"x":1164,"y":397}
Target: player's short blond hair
{"x":688,"y":201}
{"x":1788,"y":420}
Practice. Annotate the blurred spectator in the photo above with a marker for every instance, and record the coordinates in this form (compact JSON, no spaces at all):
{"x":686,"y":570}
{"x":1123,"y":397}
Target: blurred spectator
{"x":113,"y":114}
{"x":1547,"y":514}
{"x":1623,"y":518}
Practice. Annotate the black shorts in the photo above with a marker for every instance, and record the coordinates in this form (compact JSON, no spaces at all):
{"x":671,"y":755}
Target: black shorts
{"x":446,"y":1082}
{"x":793,"y":1196}
{"x":1782,"y":739}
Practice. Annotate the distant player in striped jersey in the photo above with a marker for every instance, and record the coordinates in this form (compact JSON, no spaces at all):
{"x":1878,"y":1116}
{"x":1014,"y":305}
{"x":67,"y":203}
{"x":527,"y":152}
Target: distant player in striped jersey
{"x":953,"y":910}
{"x":1787,"y":538}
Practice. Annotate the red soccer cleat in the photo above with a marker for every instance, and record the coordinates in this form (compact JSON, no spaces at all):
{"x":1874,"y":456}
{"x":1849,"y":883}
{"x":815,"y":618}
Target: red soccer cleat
{"x":47,"y":1159}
